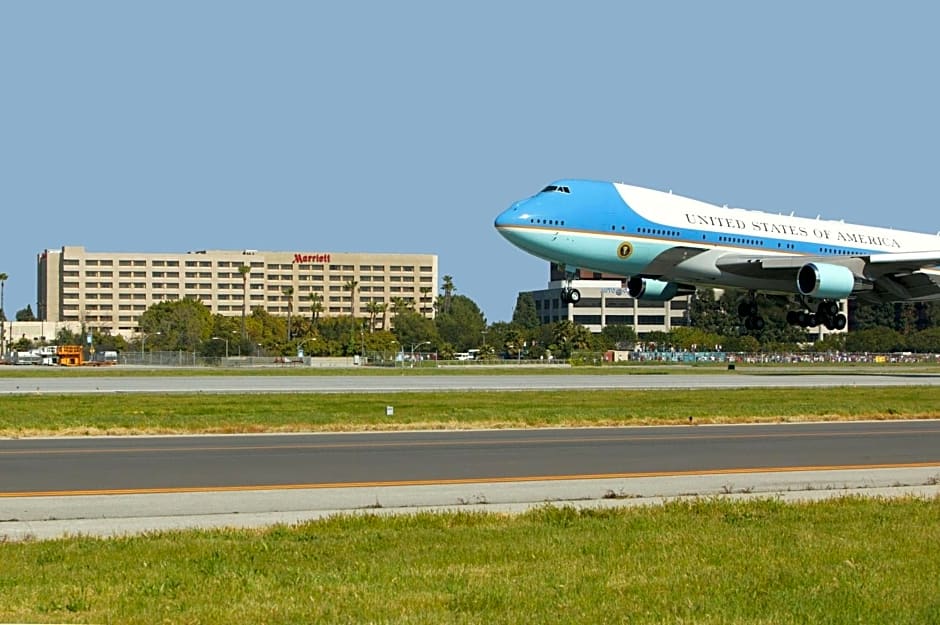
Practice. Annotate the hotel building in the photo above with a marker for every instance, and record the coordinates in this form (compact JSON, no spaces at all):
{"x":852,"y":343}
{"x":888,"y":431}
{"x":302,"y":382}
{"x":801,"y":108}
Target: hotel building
{"x":109,"y":291}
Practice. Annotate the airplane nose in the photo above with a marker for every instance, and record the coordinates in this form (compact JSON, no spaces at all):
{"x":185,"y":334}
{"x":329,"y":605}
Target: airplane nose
{"x":508,"y":216}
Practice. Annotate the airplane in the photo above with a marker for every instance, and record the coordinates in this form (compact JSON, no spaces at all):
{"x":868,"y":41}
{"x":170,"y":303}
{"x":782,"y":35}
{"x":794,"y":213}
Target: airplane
{"x":665,"y":245}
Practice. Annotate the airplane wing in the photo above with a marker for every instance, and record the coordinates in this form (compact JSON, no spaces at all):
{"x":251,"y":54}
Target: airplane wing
{"x":880,"y":277}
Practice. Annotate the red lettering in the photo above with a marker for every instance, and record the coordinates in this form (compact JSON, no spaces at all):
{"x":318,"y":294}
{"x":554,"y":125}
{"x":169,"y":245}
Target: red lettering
{"x":311,"y":258}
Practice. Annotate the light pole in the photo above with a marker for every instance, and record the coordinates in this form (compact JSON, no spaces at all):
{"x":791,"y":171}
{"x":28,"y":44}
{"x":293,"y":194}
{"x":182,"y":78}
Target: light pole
{"x":143,"y":341}
{"x":414,"y":345}
{"x":304,"y":342}
{"x":222,"y":338}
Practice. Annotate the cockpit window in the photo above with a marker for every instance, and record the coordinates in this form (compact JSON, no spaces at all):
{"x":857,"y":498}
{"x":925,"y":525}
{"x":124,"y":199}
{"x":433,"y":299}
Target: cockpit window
{"x":555,"y":189}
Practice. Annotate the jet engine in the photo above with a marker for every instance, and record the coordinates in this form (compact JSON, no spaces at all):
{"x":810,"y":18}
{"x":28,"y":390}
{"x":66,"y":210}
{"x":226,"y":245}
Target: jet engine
{"x":825,"y":281}
{"x":656,"y":290}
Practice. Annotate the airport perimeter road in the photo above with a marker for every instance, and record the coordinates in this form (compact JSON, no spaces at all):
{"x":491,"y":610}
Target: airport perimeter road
{"x":411,"y":382}
{"x":180,"y":464}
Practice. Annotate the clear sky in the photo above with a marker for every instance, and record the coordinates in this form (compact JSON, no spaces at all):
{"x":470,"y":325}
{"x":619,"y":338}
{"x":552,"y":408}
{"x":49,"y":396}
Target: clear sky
{"x":407,"y":126}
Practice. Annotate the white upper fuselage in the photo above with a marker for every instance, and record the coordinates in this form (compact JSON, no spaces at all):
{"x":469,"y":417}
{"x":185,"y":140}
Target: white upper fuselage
{"x":685,"y":213}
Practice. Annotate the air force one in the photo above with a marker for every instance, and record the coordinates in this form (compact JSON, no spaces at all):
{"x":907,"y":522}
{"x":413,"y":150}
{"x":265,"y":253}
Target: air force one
{"x":666,"y":245}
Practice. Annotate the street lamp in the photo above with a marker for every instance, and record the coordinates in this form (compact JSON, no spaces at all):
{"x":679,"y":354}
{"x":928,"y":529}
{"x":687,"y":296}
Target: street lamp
{"x":222,"y":338}
{"x":304,"y":342}
{"x":414,"y":345}
{"x":143,"y":340}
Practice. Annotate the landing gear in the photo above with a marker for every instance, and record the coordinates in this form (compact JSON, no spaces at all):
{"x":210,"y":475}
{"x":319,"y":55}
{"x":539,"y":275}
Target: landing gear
{"x":569,"y":294}
{"x":748,"y":311}
{"x":827,"y":314}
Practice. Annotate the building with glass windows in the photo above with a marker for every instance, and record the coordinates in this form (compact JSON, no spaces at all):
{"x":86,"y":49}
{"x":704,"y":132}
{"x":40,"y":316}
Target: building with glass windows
{"x":109,"y":291}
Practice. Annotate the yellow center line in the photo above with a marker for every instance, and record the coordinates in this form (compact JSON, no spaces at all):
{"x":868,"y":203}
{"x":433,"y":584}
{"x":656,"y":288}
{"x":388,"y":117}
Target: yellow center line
{"x":468,"y":480}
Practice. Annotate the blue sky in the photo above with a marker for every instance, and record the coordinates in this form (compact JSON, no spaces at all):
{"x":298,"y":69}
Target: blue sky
{"x":408,"y":126}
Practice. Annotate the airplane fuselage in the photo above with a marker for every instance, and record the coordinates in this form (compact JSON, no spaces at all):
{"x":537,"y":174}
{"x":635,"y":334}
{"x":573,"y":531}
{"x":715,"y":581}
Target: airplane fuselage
{"x":632,"y":231}
{"x":646,"y":234}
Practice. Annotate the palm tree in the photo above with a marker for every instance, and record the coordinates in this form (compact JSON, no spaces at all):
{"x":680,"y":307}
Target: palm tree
{"x":374,"y":309}
{"x":316,"y":307}
{"x":351,"y":287}
{"x":244,"y":269}
{"x":289,"y":294}
{"x":447,"y":285}
{"x":3,"y":315}
{"x":425,"y":290}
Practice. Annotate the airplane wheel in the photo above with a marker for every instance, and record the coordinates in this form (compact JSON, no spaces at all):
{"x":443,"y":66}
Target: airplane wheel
{"x":564,"y":296}
{"x":574,"y":296}
{"x":758,"y":323}
{"x":793,"y":317}
{"x":747,"y":309}
{"x":827,"y":309}
{"x":811,"y":321}
{"x":839,"y":322}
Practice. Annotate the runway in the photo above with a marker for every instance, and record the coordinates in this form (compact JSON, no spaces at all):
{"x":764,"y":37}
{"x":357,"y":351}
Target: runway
{"x":412,"y":381}
{"x":183,"y":479}
{"x":185,"y":463}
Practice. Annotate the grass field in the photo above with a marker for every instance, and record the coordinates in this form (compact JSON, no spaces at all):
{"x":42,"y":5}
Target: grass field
{"x":27,"y":415}
{"x":706,"y":561}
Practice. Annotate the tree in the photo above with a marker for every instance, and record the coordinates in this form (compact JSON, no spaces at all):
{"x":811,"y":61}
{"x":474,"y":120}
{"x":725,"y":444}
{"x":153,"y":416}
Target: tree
{"x":425,"y":291}
{"x":462,"y":326}
{"x":567,"y":337}
{"x":513,"y":342}
{"x":244,"y":270}
{"x":496,"y":336}
{"x":352,"y":287}
{"x":877,"y":340}
{"x":3,"y":315}
{"x":447,"y":286}
{"x":316,"y":306}
{"x":289,"y":294}
{"x":105,"y":341}
{"x":178,"y":325}
{"x":22,"y":345}
{"x":745,"y":344}
{"x":619,"y":336}
{"x":267,"y":331}
{"x":66,"y":337}
{"x":834,"y":342}
{"x":374,"y":309}
{"x":524,"y":315}
{"x":926,"y":341}
{"x":26,"y":314}
{"x":865,"y":316}
{"x":412,"y":328}
{"x":401,"y":305}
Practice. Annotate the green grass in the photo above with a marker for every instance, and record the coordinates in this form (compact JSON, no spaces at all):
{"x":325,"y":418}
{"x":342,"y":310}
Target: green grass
{"x":24,"y":415}
{"x":706,"y":561}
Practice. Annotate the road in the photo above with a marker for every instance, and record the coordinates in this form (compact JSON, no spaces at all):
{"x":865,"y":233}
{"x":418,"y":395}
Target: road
{"x":412,"y":382}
